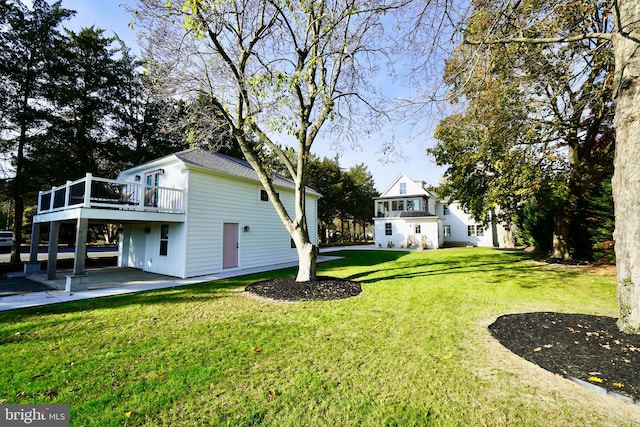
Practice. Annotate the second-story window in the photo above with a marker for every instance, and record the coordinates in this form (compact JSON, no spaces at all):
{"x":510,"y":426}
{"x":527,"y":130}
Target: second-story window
{"x":265,"y":197}
{"x":397,"y":205}
{"x":445,"y":210}
{"x":403,"y":188}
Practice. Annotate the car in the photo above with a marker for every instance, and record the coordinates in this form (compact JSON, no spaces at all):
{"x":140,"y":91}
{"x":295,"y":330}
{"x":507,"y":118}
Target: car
{"x":5,"y":241}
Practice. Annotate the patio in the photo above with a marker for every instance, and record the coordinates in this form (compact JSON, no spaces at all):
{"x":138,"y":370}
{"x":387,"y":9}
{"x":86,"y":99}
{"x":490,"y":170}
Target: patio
{"x":108,"y":281}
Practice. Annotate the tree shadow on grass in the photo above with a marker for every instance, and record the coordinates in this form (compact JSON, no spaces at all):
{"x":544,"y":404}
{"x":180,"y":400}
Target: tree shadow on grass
{"x":207,"y":291}
{"x":462,"y":264}
{"x":214,"y":290}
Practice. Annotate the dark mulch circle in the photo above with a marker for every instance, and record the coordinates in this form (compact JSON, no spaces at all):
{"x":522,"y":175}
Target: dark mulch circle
{"x":323,"y":289}
{"x":588,"y":348}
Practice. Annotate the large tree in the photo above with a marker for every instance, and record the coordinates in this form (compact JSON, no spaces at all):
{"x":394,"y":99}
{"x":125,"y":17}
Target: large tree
{"x":360,"y":193}
{"x":507,"y":28}
{"x":81,"y":136}
{"x":29,"y":43}
{"x":277,"y":70}
{"x":532,"y":107}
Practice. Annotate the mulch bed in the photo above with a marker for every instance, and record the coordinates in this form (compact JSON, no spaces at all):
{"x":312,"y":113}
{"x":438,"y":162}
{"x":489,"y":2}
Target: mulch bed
{"x":585,"y":348}
{"x":323,"y":289}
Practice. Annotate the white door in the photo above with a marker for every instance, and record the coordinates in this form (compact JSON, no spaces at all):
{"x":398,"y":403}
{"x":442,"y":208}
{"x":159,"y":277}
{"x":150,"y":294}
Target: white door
{"x":152,"y":180}
{"x":230,"y":245}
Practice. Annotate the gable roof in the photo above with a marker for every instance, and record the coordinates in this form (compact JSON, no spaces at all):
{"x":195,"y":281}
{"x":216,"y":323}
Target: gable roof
{"x":417,"y":189}
{"x":223,"y":164}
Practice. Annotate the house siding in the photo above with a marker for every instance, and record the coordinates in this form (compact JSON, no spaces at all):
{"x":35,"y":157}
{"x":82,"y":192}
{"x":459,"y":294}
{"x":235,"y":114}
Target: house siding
{"x":459,"y":221}
{"x":165,"y":264}
{"x":214,"y":200}
{"x":404,"y":228}
{"x":132,"y":246}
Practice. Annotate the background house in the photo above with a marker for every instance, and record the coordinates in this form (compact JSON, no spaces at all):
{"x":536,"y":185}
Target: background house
{"x":405,"y":216}
{"x":408,"y":215}
{"x":188,"y":214}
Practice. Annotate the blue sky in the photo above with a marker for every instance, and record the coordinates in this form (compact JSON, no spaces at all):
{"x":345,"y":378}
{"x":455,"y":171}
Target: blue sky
{"x":111,"y":16}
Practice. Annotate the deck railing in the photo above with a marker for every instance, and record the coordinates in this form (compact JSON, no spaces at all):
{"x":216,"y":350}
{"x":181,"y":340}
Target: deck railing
{"x":94,"y":192}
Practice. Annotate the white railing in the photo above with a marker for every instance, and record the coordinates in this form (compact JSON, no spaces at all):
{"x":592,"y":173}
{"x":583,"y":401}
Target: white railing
{"x":94,"y":192}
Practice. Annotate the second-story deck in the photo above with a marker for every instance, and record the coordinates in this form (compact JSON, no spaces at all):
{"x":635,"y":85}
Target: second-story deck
{"x":108,"y":199}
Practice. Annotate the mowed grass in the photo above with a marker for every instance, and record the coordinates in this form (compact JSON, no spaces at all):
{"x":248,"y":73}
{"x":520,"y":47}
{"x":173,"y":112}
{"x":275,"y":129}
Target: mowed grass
{"x":412,"y":349}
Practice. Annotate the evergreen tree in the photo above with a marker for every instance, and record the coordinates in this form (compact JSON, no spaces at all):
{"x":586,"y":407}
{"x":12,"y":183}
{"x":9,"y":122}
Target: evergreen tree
{"x":29,"y":42}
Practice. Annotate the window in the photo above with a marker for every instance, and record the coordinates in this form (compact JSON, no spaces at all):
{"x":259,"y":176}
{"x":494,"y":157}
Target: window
{"x":418,"y":229}
{"x":383,"y":206}
{"x":264,"y":196}
{"x":471,"y":230}
{"x":413,"y":205}
{"x":164,"y":239}
{"x":479,"y":231}
{"x":403,"y":188}
{"x":388,"y":231}
{"x":445,"y":210}
{"x":447,"y":231}
{"x":397,"y":205}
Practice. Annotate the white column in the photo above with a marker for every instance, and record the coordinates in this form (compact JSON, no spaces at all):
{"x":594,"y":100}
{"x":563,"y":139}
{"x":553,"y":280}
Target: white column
{"x":52,"y":256}
{"x":33,"y":266}
{"x":80,"y":255}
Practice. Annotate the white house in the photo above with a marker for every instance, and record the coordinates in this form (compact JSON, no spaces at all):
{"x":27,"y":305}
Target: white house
{"x":188,"y":214}
{"x":408,"y":215}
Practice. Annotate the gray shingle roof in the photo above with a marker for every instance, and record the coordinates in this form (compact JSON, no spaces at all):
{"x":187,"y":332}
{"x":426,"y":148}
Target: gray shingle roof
{"x":230,"y":166}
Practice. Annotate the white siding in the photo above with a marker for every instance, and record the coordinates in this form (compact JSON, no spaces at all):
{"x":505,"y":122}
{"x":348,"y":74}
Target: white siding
{"x":459,"y":221}
{"x":140,"y":248}
{"x":171,"y":264}
{"x":404,"y":229}
{"x":412,"y":187}
{"x":214,"y":200}
{"x":132,"y":246}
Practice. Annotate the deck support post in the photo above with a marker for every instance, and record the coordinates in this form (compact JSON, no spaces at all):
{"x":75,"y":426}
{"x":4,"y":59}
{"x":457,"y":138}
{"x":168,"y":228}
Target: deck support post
{"x":33,"y":266}
{"x":52,"y":256}
{"x":78,"y":280}
{"x":80,"y":255}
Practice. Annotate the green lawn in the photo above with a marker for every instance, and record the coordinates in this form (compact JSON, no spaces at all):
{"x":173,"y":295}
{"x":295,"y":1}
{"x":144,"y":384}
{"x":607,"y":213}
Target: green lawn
{"x":412,"y":349}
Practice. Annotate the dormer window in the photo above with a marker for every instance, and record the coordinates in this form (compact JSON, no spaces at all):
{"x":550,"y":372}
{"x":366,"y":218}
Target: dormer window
{"x":403,"y":188}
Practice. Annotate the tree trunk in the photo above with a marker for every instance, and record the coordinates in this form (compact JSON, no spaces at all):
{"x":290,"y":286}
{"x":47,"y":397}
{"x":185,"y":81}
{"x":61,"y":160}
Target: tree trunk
{"x":307,"y":262}
{"x":626,"y":177}
{"x":16,"y":244}
{"x":562,"y":225}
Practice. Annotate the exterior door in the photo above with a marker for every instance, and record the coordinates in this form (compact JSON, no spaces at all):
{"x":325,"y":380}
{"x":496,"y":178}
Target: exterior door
{"x":230,"y":245}
{"x":151,"y":190}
